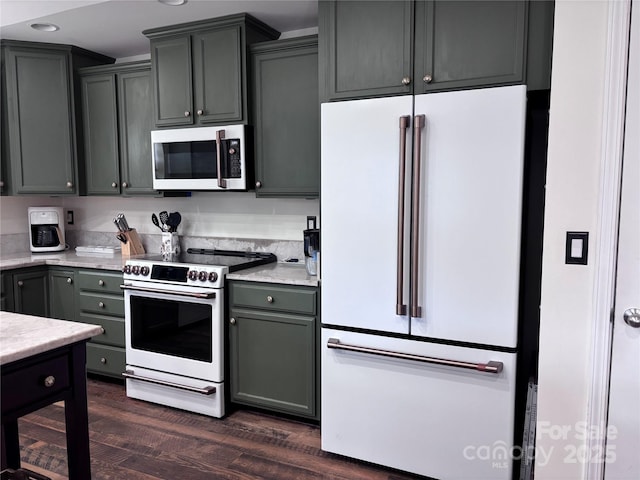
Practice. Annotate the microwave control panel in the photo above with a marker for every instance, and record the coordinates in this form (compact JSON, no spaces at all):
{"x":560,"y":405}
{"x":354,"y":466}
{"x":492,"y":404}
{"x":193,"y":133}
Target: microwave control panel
{"x":232,"y":163}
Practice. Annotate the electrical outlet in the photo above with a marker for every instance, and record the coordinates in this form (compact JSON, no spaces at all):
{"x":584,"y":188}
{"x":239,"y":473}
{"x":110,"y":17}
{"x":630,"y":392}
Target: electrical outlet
{"x":69,"y":217}
{"x":576,"y":248}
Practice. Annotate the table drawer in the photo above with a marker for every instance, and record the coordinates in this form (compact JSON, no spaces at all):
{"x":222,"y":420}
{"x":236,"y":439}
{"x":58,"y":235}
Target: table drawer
{"x":113,"y":329}
{"x":99,"y":281}
{"x":35,"y":383}
{"x":105,"y":360}
{"x":101,"y":304}
{"x":274,"y":297}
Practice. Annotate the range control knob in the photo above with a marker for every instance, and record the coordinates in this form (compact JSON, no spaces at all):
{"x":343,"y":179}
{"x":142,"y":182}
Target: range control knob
{"x":202,"y":276}
{"x":144,"y":271}
{"x":126,"y":269}
{"x":135,"y":270}
{"x":213,"y":276}
{"x":193,"y":275}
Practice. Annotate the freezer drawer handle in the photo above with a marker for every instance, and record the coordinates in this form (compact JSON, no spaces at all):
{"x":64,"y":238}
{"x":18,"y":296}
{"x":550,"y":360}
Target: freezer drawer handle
{"x":490,"y":367}
{"x":418,"y":125}
{"x":401,"y":308}
{"x":203,"y":391}
{"x":157,"y":290}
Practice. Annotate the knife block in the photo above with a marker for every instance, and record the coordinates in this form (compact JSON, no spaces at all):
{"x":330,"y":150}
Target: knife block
{"x":133,"y":245}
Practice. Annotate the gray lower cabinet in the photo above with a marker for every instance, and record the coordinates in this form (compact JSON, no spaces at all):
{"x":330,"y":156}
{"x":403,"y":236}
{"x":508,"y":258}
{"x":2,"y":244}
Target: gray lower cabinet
{"x":380,"y":48}
{"x":6,"y":292}
{"x":31,"y":291}
{"x":286,"y":112}
{"x":100,"y":301}
{"x":40,"y":125}
{"x":273,"y":359}
{"x":199,"y":69}
{"x":117,"y":124}
{"x":62,"y":295}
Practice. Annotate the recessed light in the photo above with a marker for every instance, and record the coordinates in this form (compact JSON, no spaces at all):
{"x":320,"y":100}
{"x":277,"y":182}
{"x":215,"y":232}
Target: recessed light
{"x":45,"y":27}
{"x":173,"y":3}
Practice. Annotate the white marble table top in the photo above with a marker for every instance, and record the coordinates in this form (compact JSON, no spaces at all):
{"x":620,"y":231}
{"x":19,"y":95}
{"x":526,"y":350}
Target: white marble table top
{"x":22,"y":336}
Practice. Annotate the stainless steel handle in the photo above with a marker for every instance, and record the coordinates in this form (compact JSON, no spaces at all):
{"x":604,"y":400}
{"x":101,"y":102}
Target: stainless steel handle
{"x":200,"y":112}
{"x":401,"y":308}
{"x":49,"y":381}
{"x":69,"y":280}
{"x":125,"y":185}
{"x":101,"y":304}
{"x":232,"y":321}
{"x":489,"y":367}
{"x":101,"y":283}
{"x":69,"y":184}
{"x":269,"y":299}
{"x":418,"y":125}
{"x":203,"y":391}
{"x":180,"y":294}
{"x":103,"y":360}
{"x":406,"y":80}
{"x":114,"y":185}
{"x":258,"y":184}
{"x":187,"y":114}
{"x":222,"y":183}
{"x":427,"y":78}
{"x":631,"y":317}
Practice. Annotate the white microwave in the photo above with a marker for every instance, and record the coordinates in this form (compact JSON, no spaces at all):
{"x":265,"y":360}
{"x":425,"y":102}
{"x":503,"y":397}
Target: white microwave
{"x":200,"y":158}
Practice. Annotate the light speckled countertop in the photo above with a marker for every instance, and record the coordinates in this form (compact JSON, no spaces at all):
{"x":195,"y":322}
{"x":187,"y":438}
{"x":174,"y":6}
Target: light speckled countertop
{"x":285,"y":273}
{"x":22,"y":336}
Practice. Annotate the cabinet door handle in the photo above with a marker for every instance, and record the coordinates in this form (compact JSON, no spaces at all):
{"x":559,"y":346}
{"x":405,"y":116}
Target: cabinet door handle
{"x":103,"y":361}
{"x":101,"y":304}
{"x":232,"y":321}
{"x":114,"y":185}
{"x":200,"y":112}
{"x":20,"y":283}
{"x":427,"y":78}
{"x":258,"y":184}
{"x":69,"y":184}
{"x":101,"y":283}
{"x":269,"y":299}
{"x":187,"y":114}
{"x":125,"y":185}
{"x":49,"y":381}
{"x":69,"y":280}
{"x":406,"y":80}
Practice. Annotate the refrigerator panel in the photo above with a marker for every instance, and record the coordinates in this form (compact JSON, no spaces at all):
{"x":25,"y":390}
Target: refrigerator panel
{"x":440,"y":421}
{"x":359,"y":211}
{"x":470,"y":211}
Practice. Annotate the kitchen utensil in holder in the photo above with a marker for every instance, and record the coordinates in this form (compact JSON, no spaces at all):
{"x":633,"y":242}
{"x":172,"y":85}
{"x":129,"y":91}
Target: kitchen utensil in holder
{"x":133,"y":246}
{"x":170,"y":243}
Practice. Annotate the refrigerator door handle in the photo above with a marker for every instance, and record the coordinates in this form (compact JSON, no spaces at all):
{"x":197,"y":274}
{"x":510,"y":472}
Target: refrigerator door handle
{"x":401,"y":308}
{"x":489,"y":367}
{"x":418,"y":125}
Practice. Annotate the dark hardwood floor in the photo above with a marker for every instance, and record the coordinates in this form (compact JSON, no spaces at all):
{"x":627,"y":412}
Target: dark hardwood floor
{"x":135,"y":440}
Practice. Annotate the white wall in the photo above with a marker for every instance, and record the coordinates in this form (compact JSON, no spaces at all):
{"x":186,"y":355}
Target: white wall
{"x":573,"y":178}
{"x":224,"y":214}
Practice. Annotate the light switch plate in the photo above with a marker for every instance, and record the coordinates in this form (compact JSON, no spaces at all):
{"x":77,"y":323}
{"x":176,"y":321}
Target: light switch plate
{"x":576,"y":248}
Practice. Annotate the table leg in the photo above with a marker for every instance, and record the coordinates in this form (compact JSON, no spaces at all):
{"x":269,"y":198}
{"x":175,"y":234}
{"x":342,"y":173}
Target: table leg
{"x":76,"y":417}
{"x":10,"y":445}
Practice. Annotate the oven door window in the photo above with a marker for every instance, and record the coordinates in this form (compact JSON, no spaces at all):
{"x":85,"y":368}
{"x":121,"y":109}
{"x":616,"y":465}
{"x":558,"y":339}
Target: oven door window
{"x":172,"y":327}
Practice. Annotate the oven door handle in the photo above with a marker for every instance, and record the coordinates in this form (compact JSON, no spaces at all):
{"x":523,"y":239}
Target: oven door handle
{"x":203,"y":391}
{"x":157,"y":290}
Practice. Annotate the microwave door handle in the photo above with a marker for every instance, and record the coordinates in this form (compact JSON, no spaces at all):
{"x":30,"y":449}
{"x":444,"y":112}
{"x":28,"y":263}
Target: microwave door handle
{"x":222,"y":183}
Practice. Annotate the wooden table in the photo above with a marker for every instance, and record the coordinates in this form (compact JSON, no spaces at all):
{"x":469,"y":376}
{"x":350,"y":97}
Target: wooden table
{"x":43,"y":361}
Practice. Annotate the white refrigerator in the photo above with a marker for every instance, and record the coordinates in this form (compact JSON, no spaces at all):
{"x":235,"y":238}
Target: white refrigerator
{"x":421,"y":205}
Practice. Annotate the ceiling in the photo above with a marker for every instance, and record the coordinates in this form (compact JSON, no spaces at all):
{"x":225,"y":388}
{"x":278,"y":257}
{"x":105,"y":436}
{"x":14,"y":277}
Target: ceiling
{"x":113,"y":27}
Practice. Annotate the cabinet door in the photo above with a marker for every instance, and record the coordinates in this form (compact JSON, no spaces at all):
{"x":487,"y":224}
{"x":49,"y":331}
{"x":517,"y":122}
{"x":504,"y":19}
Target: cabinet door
{"x":366,"y":49}
{"x":6,"y":292}
{"x":171,"y":70}
{"x":287,"y":118}
{"x":31,"y":293}
{"x":40,"y":119}
{"x":272,"y":361}
{"x":136,"y":123}
{"x":62,"y":294}
{"x":217,"y":70}
{"x":100,"y":126}
{"x":469,"y":43}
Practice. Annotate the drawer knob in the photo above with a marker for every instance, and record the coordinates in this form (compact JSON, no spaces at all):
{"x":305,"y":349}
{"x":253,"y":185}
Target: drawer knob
{"x":269,"y":299}
{"x":69,"y":184}
{"x":101,"y":304}
{"x":103,"y":360}
{"x":49,"y":381}
{"x":101,"y":283}
{"x":102,"y":330}
{"x":232,"y":321}
{"x":187,"y":114}
{"x":69,"y":280}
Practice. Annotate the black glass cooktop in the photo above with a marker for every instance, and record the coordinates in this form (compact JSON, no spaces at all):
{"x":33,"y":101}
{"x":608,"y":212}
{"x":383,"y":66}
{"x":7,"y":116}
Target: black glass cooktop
{"x":235,"y":260}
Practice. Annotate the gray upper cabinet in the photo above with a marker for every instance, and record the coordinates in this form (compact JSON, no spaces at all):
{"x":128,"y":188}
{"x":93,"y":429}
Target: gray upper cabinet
{"x":380,"y":48}
{"x":117,"y":123}
{"x":41,"y":116}
{"x":286,"y":112}
{"x":199,"y":69}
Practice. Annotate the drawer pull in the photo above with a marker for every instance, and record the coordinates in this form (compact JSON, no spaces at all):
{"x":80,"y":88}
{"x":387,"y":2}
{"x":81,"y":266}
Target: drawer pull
{"x":490,"y":367}
{"x":102,"y":330}
{"x":204,"y":391}
{"x":101,"y":304}
{"x":101,"y":283}
{"x":69,"y":280}
{"x":269,"y":299}
{"x":49,"y":381}
{"x":103,"y":361}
